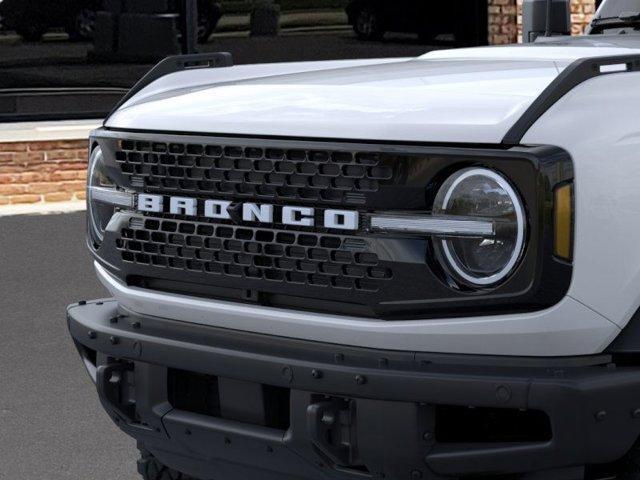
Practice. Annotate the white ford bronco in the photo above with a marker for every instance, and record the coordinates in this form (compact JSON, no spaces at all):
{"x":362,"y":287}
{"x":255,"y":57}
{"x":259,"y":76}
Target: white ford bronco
{"x":422,"y":268}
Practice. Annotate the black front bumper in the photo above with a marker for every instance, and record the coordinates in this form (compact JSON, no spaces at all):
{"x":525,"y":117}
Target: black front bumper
{"x":348,"y":412}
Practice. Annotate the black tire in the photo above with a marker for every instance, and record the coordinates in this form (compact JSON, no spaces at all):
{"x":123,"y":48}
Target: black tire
{"x":367,"y":24}
{"x":151,"y":469}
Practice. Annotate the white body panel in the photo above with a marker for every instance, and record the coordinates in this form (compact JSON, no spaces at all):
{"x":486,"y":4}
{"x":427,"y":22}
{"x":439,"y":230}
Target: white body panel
{"x":462,"y":96}
{"x":569,"y":328}
{"x":416,"y":100}
{"x":598,"y":123}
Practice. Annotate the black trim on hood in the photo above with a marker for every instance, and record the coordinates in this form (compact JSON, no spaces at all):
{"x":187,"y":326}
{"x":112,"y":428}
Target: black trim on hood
{"x":575,"y":74}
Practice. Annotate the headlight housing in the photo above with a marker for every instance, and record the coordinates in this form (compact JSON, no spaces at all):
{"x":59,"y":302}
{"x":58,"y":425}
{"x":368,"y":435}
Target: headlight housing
{"x":103,"y":196}
{"x":481,"y":193}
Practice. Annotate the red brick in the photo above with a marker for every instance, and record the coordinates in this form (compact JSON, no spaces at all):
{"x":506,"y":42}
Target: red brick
{"x":4,"y":200}
{"x":13,"y":147}
{"x":12,"y":189}
{"x":81,"y":195}
{"x":10,"y":169}
{"x":8,"y":178}
{"x":68,"y":165}
{"x":61,"y":155}
{"x":64,"y":175}
{"x":31,"y":177}
{"x":29,"y":157}
{"x":44,"y":187}
{"x":7,"y":157}
{"x":25,"y":198}
{"x":41,"y":167}
{"x":57,"y":197}
{"x":74,"y":186}
{"x":57,"y":145}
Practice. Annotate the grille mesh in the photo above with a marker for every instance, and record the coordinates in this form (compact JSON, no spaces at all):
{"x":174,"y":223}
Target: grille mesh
{"x":279,"y":256}
{"x":341,"y":177}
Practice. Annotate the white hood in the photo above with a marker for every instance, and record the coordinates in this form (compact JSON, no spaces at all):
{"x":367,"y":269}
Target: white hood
{"x":458,"y":96}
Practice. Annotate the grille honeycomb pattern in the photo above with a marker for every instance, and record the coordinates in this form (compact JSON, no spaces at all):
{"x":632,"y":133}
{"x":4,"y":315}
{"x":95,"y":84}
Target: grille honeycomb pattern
{"x":270,"y":173}
{"x":279,"y":256}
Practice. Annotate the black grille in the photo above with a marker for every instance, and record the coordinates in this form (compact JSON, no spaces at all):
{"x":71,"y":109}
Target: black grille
{"x":279,"y":256}
{"x":342,"y":177}
{"x":357,"y":273}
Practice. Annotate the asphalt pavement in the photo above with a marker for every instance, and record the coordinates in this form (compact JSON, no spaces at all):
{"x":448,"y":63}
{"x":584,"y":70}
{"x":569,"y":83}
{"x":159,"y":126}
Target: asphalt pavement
{"x":52,"y":426}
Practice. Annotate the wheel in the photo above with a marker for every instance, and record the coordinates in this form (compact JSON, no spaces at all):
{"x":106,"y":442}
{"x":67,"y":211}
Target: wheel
{"x":82,"y":26}
{"x":31,"y":31}
{"x":151,"y":469}
{"x":368,"y":24}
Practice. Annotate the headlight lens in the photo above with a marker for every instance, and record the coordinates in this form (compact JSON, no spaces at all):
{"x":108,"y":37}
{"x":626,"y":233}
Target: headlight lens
{"x":103,"y":196}
{"x":481,"y":261}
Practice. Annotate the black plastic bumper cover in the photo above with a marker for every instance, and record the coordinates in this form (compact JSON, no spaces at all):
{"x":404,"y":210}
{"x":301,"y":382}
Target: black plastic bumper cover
{"x":386,"y":402}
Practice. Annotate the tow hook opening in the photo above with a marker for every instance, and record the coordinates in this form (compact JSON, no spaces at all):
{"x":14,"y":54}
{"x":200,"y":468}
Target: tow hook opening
{"x":221,"y":397}
{"x":455,"y":424}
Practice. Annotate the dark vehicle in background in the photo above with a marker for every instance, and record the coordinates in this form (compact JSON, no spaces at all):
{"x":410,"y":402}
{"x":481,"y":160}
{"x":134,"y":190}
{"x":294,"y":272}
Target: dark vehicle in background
{"x":465,"y":20}
{"x":31,"y":19}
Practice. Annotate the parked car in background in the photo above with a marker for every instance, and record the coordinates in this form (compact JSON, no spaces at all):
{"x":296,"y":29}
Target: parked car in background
{"x":31,"y":19}
{"x":464,"y":21}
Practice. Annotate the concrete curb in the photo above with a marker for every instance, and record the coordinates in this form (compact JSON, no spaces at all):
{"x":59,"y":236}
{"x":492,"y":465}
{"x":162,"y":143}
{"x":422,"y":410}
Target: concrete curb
{"x":43,"y":208}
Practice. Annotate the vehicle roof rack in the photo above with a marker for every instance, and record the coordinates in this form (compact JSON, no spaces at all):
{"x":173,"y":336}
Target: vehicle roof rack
{"x":173,"y":64}
{"x":575,"y":74}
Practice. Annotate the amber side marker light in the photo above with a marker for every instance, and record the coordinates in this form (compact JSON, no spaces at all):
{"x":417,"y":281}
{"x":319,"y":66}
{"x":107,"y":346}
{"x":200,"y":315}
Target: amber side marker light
{"x":563,"y":222}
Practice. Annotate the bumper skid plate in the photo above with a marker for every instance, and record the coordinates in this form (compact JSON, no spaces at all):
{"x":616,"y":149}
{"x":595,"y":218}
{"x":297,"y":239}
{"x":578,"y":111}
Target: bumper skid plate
{"x":218,"y":403}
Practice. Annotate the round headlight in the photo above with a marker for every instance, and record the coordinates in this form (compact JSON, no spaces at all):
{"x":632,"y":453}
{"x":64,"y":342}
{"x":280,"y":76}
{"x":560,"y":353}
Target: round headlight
{"x":100,"y":211}
{"x":481,"y":193}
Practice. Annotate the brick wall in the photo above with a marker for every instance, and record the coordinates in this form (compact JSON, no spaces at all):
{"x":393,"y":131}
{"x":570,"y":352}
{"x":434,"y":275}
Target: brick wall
{"x":581,"y":14}
{"x":503,"y":22}
{"x":32,"y":172}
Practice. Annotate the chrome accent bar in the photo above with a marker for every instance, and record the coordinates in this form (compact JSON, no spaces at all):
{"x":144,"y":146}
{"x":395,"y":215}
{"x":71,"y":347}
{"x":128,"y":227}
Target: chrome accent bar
{"x":433,"y":225}
{"x":112,"y":196}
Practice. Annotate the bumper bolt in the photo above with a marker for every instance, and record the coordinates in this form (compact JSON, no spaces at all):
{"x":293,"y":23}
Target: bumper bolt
{"x":428,"y":437}
{"x":136,"y":325}
{"x":187,"y":431}
{"x":114,"y":319}
{"x":92,"y":335}
{"x":503,"y":393}
{"x":636,"y":413}
{"x":82,"y":303}
{"x":316,"y":373}
{"x":416,"y":474}
{"x":361,"y":379}
{"x":600,"y":416}
{"x":269,"y":449}
{"x":114,"y":340}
